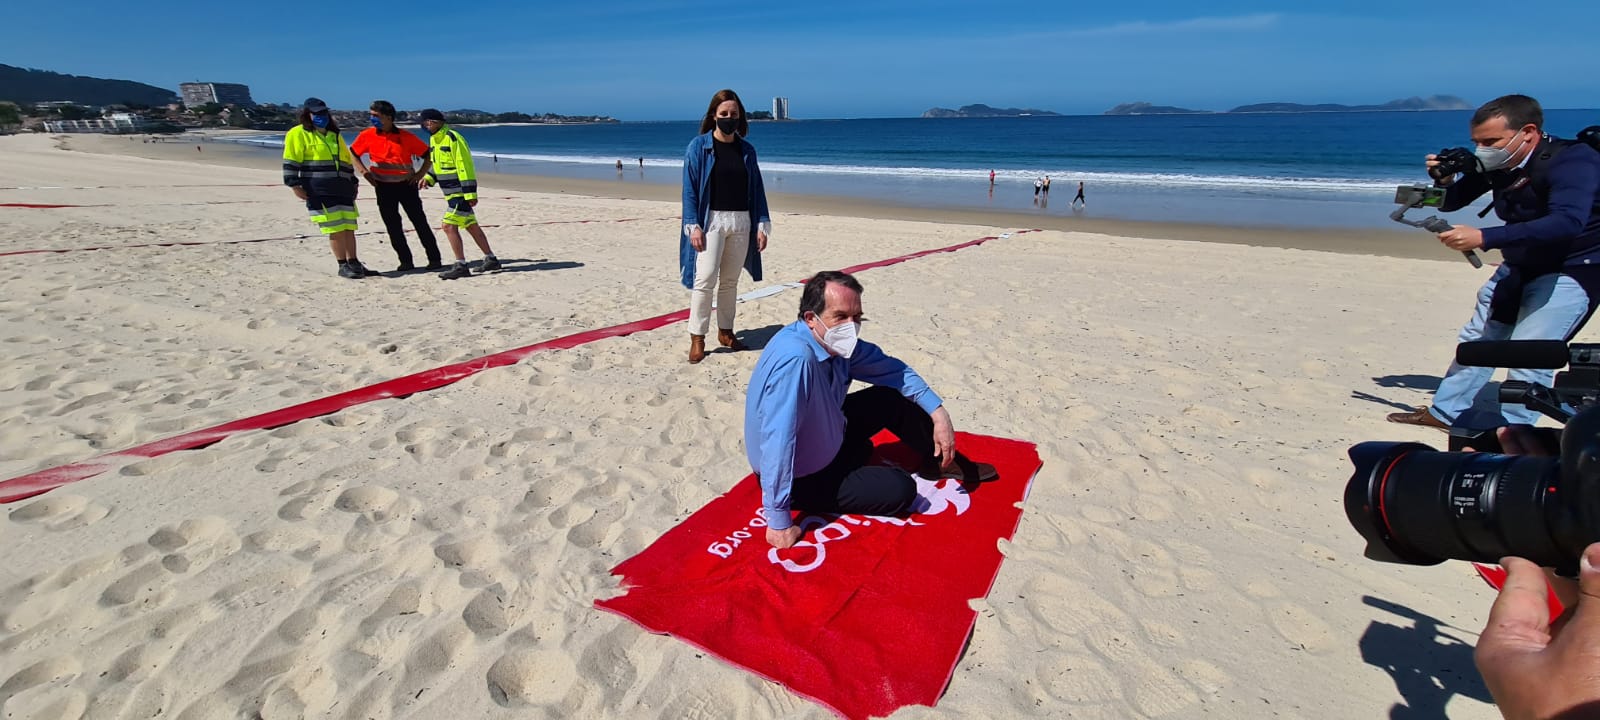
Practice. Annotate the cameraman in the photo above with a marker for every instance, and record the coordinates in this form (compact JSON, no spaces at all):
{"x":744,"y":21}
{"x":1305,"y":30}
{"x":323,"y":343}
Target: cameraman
{"x":1548,"y":193}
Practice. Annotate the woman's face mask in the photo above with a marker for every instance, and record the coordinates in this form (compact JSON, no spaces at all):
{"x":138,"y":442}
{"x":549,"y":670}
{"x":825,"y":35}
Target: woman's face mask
{"x":728,"y":125}
{"x":377,"y":122}
{"x":320,"y":120}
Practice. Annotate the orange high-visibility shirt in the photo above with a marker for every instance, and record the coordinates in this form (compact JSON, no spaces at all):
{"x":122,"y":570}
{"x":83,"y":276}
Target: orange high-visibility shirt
{"x":391,"y":153}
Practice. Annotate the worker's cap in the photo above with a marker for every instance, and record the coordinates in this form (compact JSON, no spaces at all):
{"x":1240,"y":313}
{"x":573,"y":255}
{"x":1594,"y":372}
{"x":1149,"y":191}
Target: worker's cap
{"x":315,"y":105}
{"x":430,"y":114}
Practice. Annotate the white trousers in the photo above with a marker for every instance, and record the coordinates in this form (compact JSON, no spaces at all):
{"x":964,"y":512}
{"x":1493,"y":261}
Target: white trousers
{"x":719,"y":265}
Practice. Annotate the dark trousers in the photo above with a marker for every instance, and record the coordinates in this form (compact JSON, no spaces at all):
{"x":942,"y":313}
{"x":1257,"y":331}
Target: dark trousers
{"x":848,"y":485}
{"x":392,"y":197}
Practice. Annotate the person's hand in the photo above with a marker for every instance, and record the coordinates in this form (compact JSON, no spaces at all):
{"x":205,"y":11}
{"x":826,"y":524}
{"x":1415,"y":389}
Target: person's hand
{"x":299,"y":192}
{"x":1463,"y":238}
{"x":761,"y":241}
{"x":1432,"y":161}
{"x":422,"y":183}
{"x":785,"y":538}
{"x":1535,"y":669}
{"x":944,"y":437}
{"x":370,"y":176}
{"x":697,"y":239}
{"x":1520,"y":440}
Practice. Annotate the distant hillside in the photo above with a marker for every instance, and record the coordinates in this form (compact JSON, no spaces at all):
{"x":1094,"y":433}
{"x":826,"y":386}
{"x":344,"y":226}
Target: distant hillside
{"x":23,"y":85}
{"x":981,"y":110}
{"x":1437,"y":102}
{"x":1144,"y":108}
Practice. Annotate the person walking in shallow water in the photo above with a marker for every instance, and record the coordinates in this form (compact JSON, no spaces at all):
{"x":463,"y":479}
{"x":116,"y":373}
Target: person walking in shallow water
{"x":1078,"y":200}
{"x":725,"y":220}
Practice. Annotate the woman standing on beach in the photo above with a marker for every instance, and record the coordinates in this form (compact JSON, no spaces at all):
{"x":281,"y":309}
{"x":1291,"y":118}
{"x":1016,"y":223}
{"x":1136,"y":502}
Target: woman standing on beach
{"x":318,"y":166}
{"x":724,"y":214}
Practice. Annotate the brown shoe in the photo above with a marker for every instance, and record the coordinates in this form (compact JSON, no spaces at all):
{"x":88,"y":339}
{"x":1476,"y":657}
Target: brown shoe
{"x":1420,"y":416}
{"x":697,"y":348}
{"x":727,"y":340}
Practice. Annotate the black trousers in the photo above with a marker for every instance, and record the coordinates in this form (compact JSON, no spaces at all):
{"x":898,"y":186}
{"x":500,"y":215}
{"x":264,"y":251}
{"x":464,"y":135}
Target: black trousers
{"x":392,"y":197}
{"x":848,"y":485}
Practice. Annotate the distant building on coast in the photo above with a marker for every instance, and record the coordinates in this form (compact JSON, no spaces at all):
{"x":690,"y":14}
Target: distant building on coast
{"x":113,"y":123}
{"x":780,"y":108}
{"x":220,"y":93}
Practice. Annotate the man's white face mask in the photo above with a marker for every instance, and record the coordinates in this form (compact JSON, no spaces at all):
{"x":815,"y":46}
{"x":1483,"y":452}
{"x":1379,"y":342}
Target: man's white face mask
{"x":1497,"y":158}
{"x":841,"y":339}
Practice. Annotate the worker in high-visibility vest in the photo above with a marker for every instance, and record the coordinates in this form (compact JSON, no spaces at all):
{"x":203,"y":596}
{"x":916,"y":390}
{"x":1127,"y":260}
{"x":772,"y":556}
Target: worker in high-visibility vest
{"x":318,"y":166}
{"x":393,"y":173}
{"x":452,"y":170}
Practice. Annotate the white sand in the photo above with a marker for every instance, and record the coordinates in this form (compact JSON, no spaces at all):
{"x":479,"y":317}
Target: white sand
{"x":1184,"y":552}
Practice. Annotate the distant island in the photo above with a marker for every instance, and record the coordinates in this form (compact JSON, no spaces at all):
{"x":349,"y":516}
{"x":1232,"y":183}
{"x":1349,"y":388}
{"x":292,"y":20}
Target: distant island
{"x":984,"y":111}
{"x":1144,"y":108}
{"x":1436,"y":102}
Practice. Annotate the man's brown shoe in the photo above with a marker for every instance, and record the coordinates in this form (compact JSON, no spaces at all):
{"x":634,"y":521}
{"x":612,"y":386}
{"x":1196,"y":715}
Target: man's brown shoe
{"x":727,"y":340}
{"x":697,"y":348}
{"x":1420,"y":416}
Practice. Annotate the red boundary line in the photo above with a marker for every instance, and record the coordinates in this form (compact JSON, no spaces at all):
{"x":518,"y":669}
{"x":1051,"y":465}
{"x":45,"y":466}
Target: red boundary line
{"x":182,"y":243}
{"x":36,"y":483}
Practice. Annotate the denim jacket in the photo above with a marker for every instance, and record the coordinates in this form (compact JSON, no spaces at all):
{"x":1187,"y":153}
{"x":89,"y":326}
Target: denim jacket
{"x":697,"y":162}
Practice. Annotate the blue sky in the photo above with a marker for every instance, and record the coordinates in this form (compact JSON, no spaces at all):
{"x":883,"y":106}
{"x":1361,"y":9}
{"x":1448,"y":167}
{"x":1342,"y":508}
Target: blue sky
{"x":662,"y":59}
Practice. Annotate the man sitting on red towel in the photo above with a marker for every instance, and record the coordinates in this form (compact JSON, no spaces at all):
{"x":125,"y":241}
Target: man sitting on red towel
{"x":809,"y":441}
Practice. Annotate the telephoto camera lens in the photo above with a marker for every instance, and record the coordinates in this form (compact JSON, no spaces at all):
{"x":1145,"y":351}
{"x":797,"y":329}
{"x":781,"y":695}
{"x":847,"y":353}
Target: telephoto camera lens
{"x":1419,"y":506}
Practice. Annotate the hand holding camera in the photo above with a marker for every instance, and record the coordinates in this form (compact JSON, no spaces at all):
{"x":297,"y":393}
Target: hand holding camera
{"x":1446,"y":164}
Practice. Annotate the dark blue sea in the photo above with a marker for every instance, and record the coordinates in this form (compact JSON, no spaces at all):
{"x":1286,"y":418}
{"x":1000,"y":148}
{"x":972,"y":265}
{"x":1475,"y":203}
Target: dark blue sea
{"x":1305,"y":170}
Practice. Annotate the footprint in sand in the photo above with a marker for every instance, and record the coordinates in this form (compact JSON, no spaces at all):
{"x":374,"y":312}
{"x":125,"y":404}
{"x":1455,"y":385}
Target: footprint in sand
{"x":60,"y":511}
{"x":41,"y":690}
{"x":536,"y":677}
{"x":384,"y":516}
{"x":187,"y":548}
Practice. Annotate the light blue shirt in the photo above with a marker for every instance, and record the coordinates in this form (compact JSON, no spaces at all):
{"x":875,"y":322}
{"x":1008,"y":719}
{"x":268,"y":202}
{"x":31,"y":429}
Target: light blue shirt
{"x":794,"y":410}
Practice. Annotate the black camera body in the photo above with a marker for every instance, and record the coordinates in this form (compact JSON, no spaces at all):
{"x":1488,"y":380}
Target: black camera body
{"x":1454,"y":161}
{"x":1419,"y":506}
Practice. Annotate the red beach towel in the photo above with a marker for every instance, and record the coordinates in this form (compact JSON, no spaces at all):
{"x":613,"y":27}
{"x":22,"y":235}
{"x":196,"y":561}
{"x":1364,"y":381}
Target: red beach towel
{"x":865,"y":615}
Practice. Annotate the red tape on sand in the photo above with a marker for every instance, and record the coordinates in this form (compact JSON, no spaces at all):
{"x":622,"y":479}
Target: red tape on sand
{"x":43,"y":481}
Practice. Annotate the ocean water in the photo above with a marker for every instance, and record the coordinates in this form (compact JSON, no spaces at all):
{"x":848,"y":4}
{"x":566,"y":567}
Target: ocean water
{"x":1295,"y":170}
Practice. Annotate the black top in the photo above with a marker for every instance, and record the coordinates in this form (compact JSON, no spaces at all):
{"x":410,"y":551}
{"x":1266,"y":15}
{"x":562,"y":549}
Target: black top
{"x":730,"y":181}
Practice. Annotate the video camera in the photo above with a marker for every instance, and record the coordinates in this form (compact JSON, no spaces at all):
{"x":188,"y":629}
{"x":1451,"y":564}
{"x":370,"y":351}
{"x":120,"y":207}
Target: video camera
{"x":1409,"y":197}
{"x":1418,"y":506}
{"x":1454,"y":161}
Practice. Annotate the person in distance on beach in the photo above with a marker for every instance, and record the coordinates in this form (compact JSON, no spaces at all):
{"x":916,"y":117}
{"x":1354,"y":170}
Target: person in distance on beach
{"x":452,"y":169}
{"x":1078,"y":199}
{"x":809,"y":439}
{"x":724,"y":215}
{"x":394,"y":177}
{"x":318,"y":167}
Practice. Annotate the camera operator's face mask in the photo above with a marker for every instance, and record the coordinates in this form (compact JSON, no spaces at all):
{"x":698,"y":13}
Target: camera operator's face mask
{"x":1498,"y":158}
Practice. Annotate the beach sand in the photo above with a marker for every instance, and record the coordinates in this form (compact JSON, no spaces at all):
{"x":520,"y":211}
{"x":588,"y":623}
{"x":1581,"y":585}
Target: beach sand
{"x":1184,"y":551}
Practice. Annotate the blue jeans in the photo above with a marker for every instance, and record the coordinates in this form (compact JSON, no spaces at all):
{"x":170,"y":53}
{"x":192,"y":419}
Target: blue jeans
{"x":1552,"y":307}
